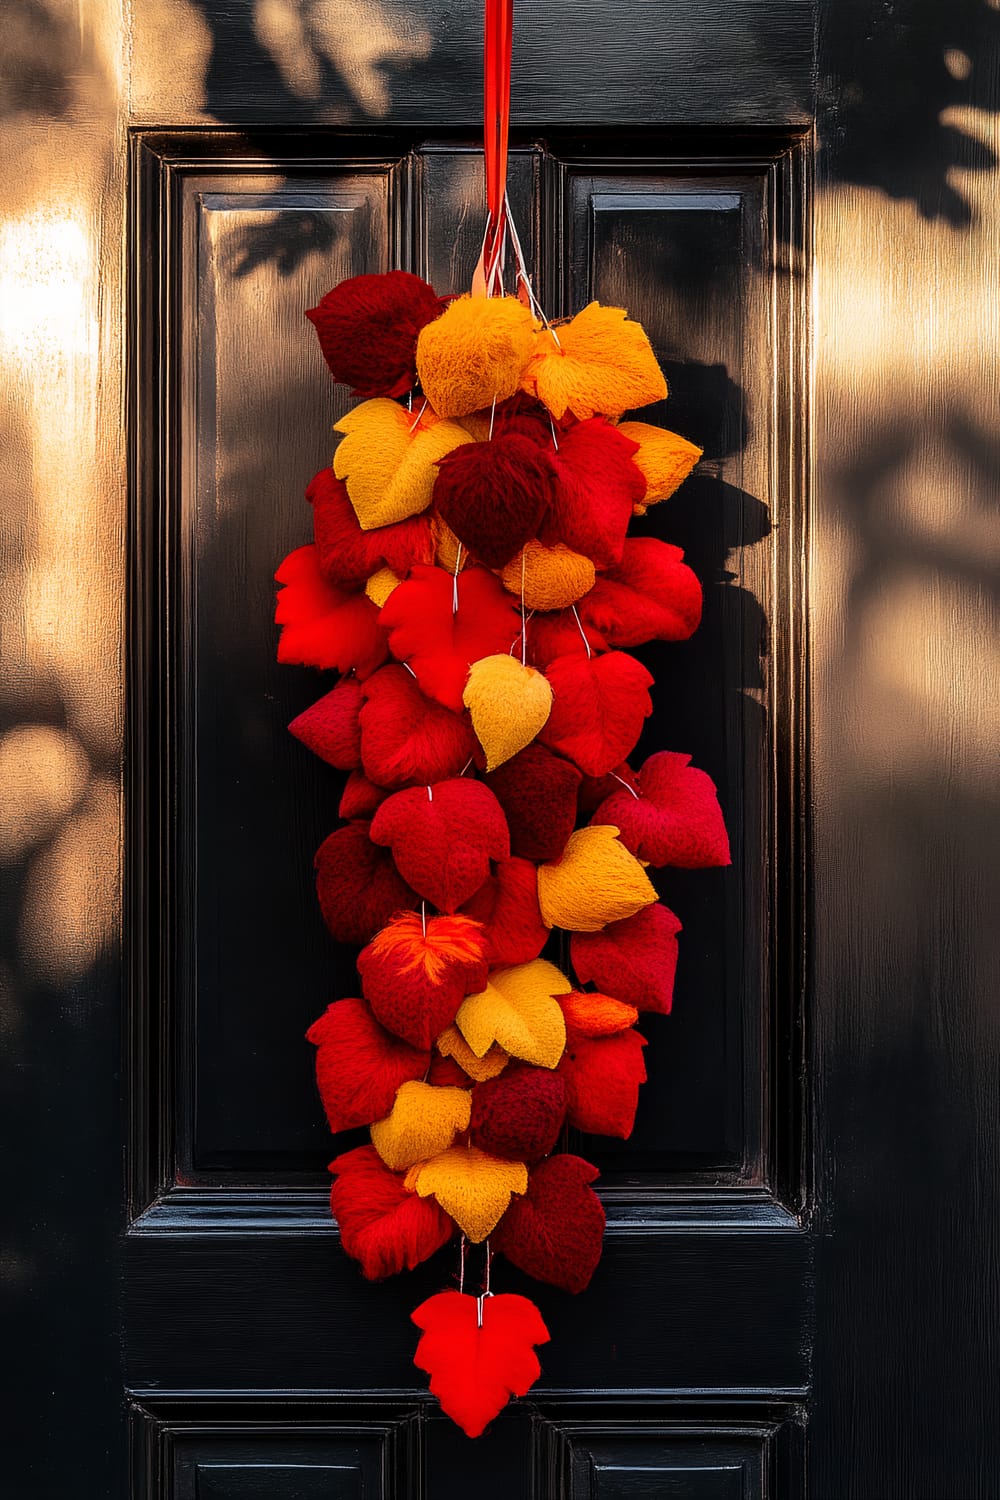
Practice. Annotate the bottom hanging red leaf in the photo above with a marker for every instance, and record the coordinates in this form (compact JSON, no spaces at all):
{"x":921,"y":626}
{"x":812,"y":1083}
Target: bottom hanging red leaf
{"x":478,"y":1352}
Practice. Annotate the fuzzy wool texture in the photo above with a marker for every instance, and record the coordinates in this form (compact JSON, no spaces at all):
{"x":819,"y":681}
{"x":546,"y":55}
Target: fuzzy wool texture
{"x":507,"y":906}
{"x":415,"y":979}
{"x":561,"y":634}
{"x":598,"y":364}
{"x":367,"y":328}
{"x":451,"y":1044}
{"x":588,"y":1013}
{"x":635,"y":958}
{"x":323,"y":625}
{"x":494,"y":495}
{"x":360,"y":797}
{"x":675,"y":819}
{"x":519,"y":1114}
{"x":597,"y":487}
{"x":474,"y":354}
{"x":388,"y":460}
{"x":380,"y":585}
{"x":599,"y":705}
{"x":548,"y":578}
{"x":478,"y":1356}
{"x":330,"y":728}
{"x":358,"y":886}
{"x":594,"y":789}
{"x":407,"y":739}
{"x":603,"y":1076}
{"x":423,"y":1122}
{"x":538,"y":793}
{"x":519,"y":1011}
{"x":508,"y":704}
{"x":555,"y":1231}
{"x":652,"y":595}
{"x":470,"y":1185}
{"x":446,"y":1073}
{"x":349,"y":556}
{"x":665,"y":459}
{"x":382,"y":1226}
{"x":443,"y":837}
{"x":596,"y":881}
{"x":359,"y":1066}
{"x":448,"y":550}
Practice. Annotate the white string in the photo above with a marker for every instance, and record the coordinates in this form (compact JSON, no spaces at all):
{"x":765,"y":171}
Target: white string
{"x":430,"y":793}
{"x":580,"y":628}
{"x":625,"y":784}
{"x":423,"y":916}
{"x":493,"y":412}
{"x":461,"y":1264}
{"x":416,"y":420}
{"x":555,"y":440}
{"x":454,"y":581}
{"x":524,"y":622}
{"x":523,"y":271}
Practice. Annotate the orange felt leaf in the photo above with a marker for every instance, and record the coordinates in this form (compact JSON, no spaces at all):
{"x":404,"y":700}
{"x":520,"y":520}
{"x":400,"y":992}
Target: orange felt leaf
{"x":471,"y":1186}
{"x":451,"y":1043}
{"x":602,"y":365}
{"x":594,"y":1014}
{"x":478,"y":1352}
{"x":422,"y":1123}
{"x":388,"y":460}
{"x":664,"y":458}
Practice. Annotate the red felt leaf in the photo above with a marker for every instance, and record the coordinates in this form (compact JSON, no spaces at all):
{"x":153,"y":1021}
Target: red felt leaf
{"x":359,"y":1065}
{"x":322,"y":626}
{"x":361,"y":797}
{"x":443,"y":837}
{"x":440,"y":643}
{"x":597,"y":485}
{"x":416,"y":973}
{"x":537,"y":791}
{"x":507,"y":906}
{"x":446,"y":1073}
{"x":599,"y":705}
{"x":494,"y":494}
{"x":382,"y":1226}
{"x":518,"y":1114}
{"x":652,"y":595}
{"x":407,"y":738}
{"x":358,"y":886}
{"x":676,"y":818}
{"x":560,"y":633}
{"x":475,"y":1370}
{"x":367,"y":328}
{"x":555,"y":1230}
{"x":602,"y":1076}
{"x":330,"y":728}
{"x":349,"y":556}
{"x":633,"y":960}
{"x":594,"y":789}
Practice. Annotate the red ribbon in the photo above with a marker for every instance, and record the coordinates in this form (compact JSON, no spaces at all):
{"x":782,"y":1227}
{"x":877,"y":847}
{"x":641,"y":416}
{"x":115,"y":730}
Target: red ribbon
{"x":497,"y":39}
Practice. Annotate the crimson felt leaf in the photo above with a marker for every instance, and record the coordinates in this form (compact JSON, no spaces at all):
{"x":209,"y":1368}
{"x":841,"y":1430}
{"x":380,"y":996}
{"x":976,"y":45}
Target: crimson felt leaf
{"x":652,"y":595}
{"x":554,"y":1232}
{"x":443,"y":837}
{"x":368,"y":326}
{"x":359,"y":1065}
{"x":538,"y":793}
{"x":407,"y":738}
{"x":597,"y":485}
{"x":599,"y":705}
{"x":348,"y":555}
{"x":633,"y":960}
{"x":330,"y":727}
{"x":674,"y":820}
{"x":494,"y":494}
{"x":602,"y":1076}
{"x":507,"y":905}
{"x":358,"y":886}
{"x":417,"y":971}
{"x":518,"y":1114}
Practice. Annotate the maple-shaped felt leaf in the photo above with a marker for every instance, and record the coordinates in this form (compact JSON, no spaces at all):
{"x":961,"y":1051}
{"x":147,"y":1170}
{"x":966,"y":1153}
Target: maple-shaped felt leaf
{"x":538,"y":793}
{"x":599,"y":705}
{"x":598,"y":364}
{"x":423,"y":1122}
{"x":507,"y":905}
{"x":348,"y":555}
{"x":388,"y":459}
{"x":407,"y":738}
{"x":602,"y":1077}
{"x":471,"y":1186}
{"x":597,"y":487}
{"x":443,"y":837}
{"x":636,"y":958}
{"x":417,"y":971}
{"x":589,"y":1013}
{"x":519,"y":1114}
{"x":359,"y":1066}
{"x":518,"y":1009}
{"x":675,"y":819}
{"x":330,"y":727}
{"x":652,"y":595}
{"x":322,"y":625}
{"x":555,"y":1232}
{"x":382,"y":1226}
{"x":596,"y":881}
{"x":665,"y":459}
{"x":358,"y":886}
{"x":508,"y":704}
{"x":441,"y":643}
{"x":452,"y":1044}
{"x":360,"y":797}
{"x":478,"y":1353}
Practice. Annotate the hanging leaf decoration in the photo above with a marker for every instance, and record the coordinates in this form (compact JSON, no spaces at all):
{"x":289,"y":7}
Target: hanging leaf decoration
{"x":518,"y":1011}
{"x":382,"y":1226}
{"x":600,"y":363}
{"x":388,"y":460}
{"x":417,"y":970}
{"x":471,"y":1186}
{"x":478,"y":1353}
{"x":599,"y":705}
{"x":443,"y":837}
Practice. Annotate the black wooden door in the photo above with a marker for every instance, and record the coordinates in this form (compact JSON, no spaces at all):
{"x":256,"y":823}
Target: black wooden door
{"x":793,"y":1291}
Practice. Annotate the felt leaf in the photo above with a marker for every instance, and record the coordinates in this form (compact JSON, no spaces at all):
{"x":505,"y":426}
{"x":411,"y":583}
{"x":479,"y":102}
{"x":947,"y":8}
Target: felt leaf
{"x":589,"y":1013}
{"x":474,"y":354}
{"x":508,"y":704}
{"x":360,"y":797}
{"x":382,"y":1226}
{"x":599,"y":363}
{"x":478,"y":1353}
{"x":636,"y":958}
{"x":446,"y":1073}
{"x":417,"y":971}
{"x":507,"y":906}
{"x":602,"y":1076}
{"x":322,"y":626}
{"x":599,"y":705}
{"x":330,"y":727}
{"x":596,"y":881}
{"x":441,"y":643}
{"x":367,"y":328}
{"x":443,"y":837}
{"x":594,"y":789}
{"x":423,"y":1122}
{"x":652,"y":595}
{"x":538,"y":793}
{"x":452,"y":1044}
{"x":674,"y":820}
{"x":448,"y":550}
{"x":493,"y":495}
{"x":380,"y":585}
{"x":596,"y":489}
{"x":347,"y":554}
{"x":519,"y":1114}
{"x":518,"y":1009}
{"x":472,"y":1187}
{"x":548,"y":577}
{"x":555,"y":1232}
{"x":358,"y":886}
{"x":359,"y":1066}
{"x":388,"y":460}
{"x":561,"y":634}
{"x":407,"y":738}
{"x":665,"y":459}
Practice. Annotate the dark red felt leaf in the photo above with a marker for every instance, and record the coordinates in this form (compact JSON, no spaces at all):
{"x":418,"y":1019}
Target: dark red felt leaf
{"x":330,"y":727}
{"x":599,"y":705}
{"x":382,"y":1226}
{"x":407,"y":738}
{"x":594,"y":789}
{"x":560,"y":633}
{"x":475,"y":1370}
{"x":538,"y":793}
{"x":519,"y":1113}
{"x":493,"y":495}
{"x":359,"y":1065}
{"x":443,"y":838}
{"x":349,"y":556}
{"x":597,"y":485}
{"x":555,"y":1231}
{"x":417,"y":971}
{"x":322,"y":625}
{"x":602,"y":1077}
{"x":676,"y":818}
{"x":358,"y":885}
{"x":652,"y":595}
{"x":361,"y":797}
{"x":507,"y":905}
{"x":633,"y":960}
{"x":367,"y":328}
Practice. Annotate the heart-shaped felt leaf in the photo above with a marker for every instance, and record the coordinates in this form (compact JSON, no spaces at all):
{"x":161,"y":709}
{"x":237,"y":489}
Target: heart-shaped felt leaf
{"x":537,"y":791}
{"x":443,"y":837}
{"x":359,"y":1066}
{"x":596,"y":881}
{"x":360,"y":797}
{"x":548,"y":577}
{"x":518,"y":1010}
{"x":474,"y":354}
{"x":423,"y":1122}
{"x":322,"y":626}
{"x":472,"y":1187}
{"x":348,"y":556}
{"x":519,"y":1114}
{"x":452,"y":1044}
{"x":330,"y":728}
{"x":508,"y":704}
{"x":507,"y":906}
{"x":597,"y":487}
{"x":599,"y":363}
{"x":676,"y":818}
{"x":388,"y":460}
{"x":358,"y":886}
{"x":602,"y":1076}
{"x":441,"y":643}
{"x":636,"y":958}
{"x":368,"y":326}
{"x":416,"y":973}
{"x":382,"y":1226}
{"x":478,"y":1353}
{"x":599,"y":705}
{"x":407,"y":738}
{"x":494,"y":495}
{"x":589,"y":1013}
{"x":652,"y":595}
{"x":665,"y":459}
{"x":554,"y":1233}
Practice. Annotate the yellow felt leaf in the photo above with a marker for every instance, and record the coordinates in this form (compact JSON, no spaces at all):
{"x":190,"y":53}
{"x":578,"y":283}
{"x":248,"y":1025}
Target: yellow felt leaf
{"x":597,"y":364}
{"x":665,"y":459}
{"x":471,"y":1186}
{"x":474,"y":354}
{"x":390,"y":469}
{"x":451,"y":1043}
{"x":508,"y":704}
{"x":423,"y":1122}
{"x":517,"y":1009}
{"x":380,"y":585}
{"x":595,"y":881}
{"x":550,"y":577}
